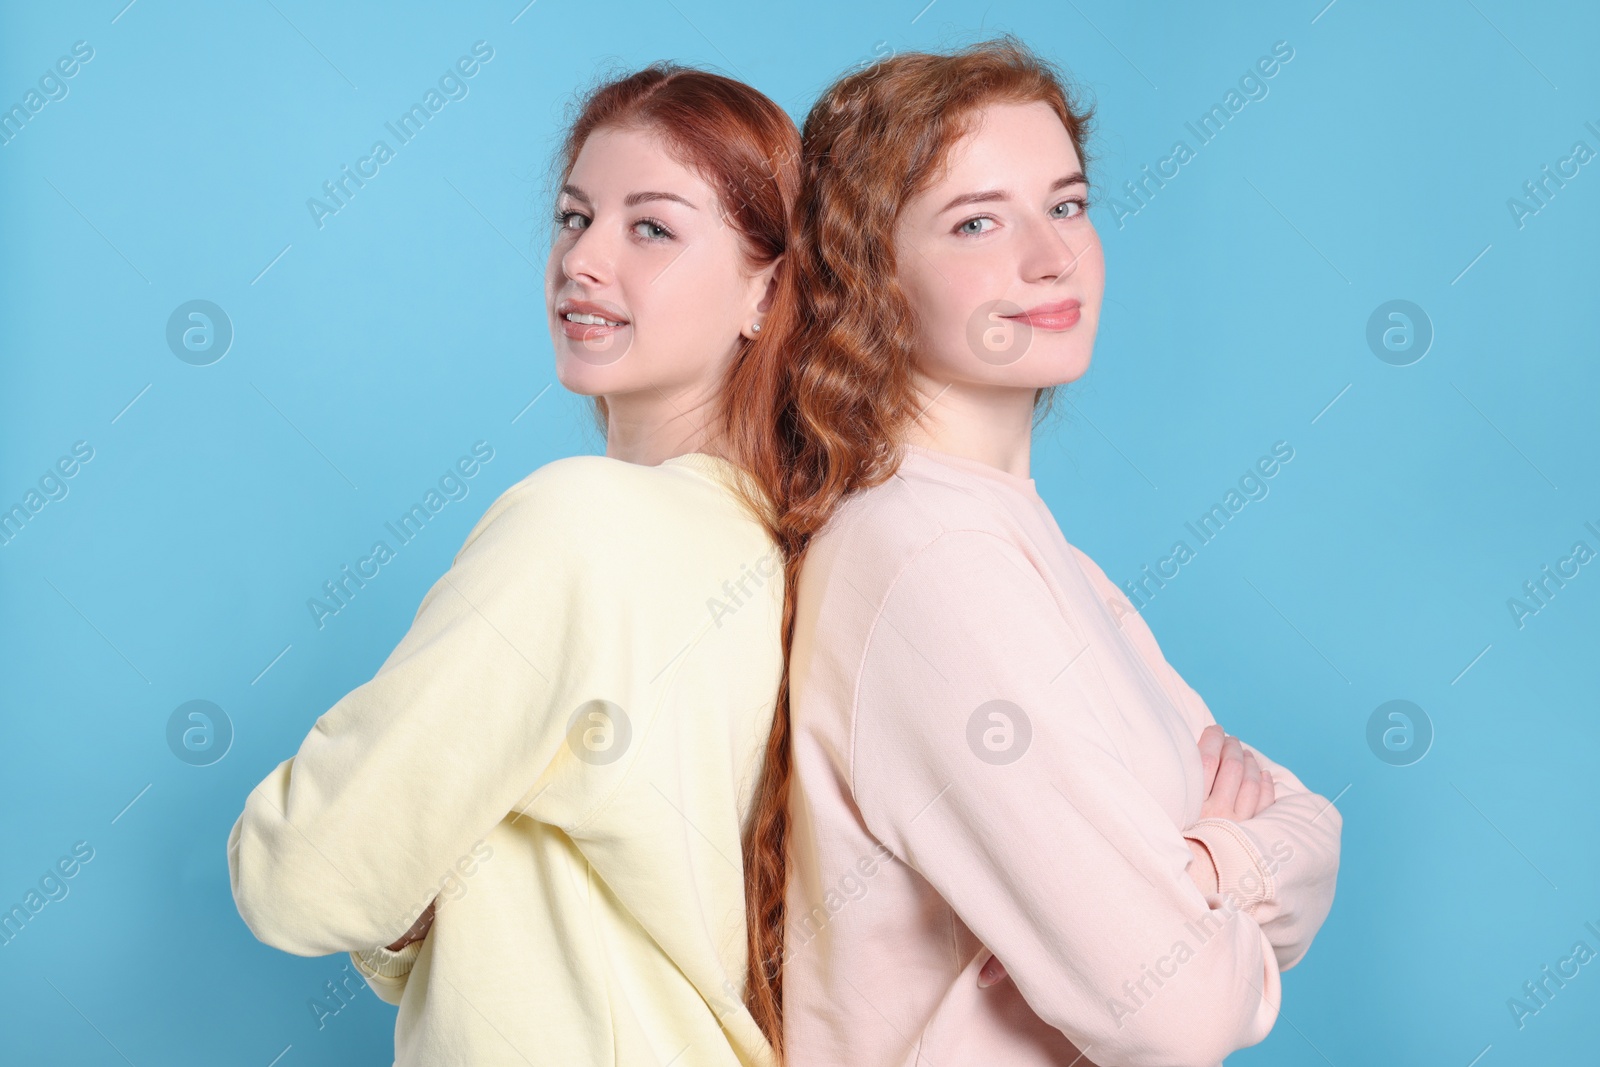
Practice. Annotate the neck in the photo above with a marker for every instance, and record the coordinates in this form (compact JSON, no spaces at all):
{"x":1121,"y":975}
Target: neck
{"x":990,"y":424}
{"x":649,"y":428}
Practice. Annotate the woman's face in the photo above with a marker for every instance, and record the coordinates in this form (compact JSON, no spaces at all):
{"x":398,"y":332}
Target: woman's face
{"x":641,"y":241}
{"x":999,"y":260}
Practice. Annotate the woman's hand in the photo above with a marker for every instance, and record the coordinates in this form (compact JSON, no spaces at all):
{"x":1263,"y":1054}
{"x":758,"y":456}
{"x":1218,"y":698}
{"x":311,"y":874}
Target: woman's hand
{"x":1237,"y":787}
{"x":418,"y":931}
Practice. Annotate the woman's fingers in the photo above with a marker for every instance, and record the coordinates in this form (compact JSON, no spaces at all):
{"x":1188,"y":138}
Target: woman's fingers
{"x":991,"y":972}
{"x":1202,"y":869}
{"x":1225,"y":790}
{"x":1268,"y":792}
{"x":418,"y":931}
{"x":1210,"y":756}
{"x":1246,"y":800}
{"x":1237,"y":785}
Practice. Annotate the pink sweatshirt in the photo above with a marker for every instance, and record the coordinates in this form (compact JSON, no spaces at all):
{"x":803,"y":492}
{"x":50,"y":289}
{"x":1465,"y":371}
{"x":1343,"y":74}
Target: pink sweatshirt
{"x":990,"y":753}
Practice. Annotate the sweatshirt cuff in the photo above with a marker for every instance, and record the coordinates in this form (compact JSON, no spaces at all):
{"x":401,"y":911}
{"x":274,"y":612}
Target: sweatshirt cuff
{"x":381,"y":963}
{"x":1241,"y":869}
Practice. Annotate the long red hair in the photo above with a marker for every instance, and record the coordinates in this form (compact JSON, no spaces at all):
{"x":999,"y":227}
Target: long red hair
{"x":874,"y":139}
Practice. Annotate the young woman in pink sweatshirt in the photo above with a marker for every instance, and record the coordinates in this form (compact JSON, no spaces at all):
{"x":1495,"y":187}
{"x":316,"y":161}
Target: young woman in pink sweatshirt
{"x":983,"y":753}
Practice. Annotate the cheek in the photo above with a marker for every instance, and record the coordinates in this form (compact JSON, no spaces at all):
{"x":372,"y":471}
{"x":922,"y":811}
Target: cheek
{"x":553,"y":278}
{"x":1091,"y":266}
{"x":669,"y":314}
{"x":685,"y":319}
{"x":950,"y":306}
{"x":695,"y":300}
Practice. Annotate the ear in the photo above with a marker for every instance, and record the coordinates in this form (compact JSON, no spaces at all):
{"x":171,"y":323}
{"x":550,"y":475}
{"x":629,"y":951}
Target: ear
{"x":771,"y":272}
{"x":765,"y":281}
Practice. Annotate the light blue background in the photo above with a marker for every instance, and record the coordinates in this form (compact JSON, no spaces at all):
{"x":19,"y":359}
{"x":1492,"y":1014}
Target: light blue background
{"x":379,"y":348}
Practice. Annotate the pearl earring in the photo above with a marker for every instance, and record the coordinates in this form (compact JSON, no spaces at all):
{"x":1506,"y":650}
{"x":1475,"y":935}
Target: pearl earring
{"x":755,"y":328}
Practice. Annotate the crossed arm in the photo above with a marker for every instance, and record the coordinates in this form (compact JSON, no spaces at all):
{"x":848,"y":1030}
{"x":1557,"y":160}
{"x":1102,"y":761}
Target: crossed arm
{"x":973,"y":826}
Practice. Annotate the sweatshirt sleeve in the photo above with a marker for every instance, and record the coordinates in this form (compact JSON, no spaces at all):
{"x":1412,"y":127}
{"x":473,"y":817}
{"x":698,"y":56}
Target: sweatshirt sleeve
{"x":1282,"y":864}
{"x":385,"y":971}
{"x":344,"y":844}
{"x":1001,"y":777}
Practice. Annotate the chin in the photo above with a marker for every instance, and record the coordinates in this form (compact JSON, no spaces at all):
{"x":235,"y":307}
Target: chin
{"x":1058,"y":368}
{"x":1072,"y":368}
{"x":582,"y":378}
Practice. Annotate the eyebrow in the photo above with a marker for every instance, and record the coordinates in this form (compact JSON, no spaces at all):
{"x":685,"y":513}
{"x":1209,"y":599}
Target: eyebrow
{"x":631,"y":199}
{"x":988,"y":195}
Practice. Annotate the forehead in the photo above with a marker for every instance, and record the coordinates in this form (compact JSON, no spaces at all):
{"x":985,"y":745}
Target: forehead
{"x":614,"y":162}
{"x":1008,"y":143}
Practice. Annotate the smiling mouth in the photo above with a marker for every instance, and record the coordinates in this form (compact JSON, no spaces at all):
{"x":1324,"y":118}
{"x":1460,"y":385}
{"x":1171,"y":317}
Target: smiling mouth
{"x":590,"y":320}
{"x":1059,"y":317}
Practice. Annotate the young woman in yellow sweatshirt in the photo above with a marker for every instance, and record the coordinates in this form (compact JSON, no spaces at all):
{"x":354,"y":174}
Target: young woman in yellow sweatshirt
{"x":527,"y":827}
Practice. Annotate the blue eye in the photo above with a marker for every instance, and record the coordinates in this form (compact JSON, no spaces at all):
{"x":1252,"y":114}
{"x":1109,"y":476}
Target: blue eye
{"x":662,"y":234}
{"x":564,"y":219}
{"x":1083,"y":206}
{"x":963,"y":227}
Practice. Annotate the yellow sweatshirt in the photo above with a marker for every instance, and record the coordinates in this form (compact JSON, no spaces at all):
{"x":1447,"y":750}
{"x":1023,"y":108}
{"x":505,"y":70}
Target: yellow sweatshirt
{"x":562,"y":750}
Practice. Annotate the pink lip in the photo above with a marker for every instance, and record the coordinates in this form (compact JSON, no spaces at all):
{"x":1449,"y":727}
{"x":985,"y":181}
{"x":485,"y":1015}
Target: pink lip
{"x":584,"y":331}
{"x":1062,"y":315}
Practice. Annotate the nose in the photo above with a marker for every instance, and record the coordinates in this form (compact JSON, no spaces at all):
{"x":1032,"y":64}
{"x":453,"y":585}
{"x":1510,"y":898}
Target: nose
{"x":589,"y":258}
{"x":1049,"y":251}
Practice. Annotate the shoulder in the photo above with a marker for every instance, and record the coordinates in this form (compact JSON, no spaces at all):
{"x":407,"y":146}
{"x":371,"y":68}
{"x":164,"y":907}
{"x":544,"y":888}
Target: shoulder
{"x":883,"y":527}
{"x":576,"y":479}
{"x":557,"y":497}
{"x":591,"y":507}
{"x":1116,"y":602}
{"x":980,"y":573}
{"x":955,"y":596}
{"x":1104,"y":587}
